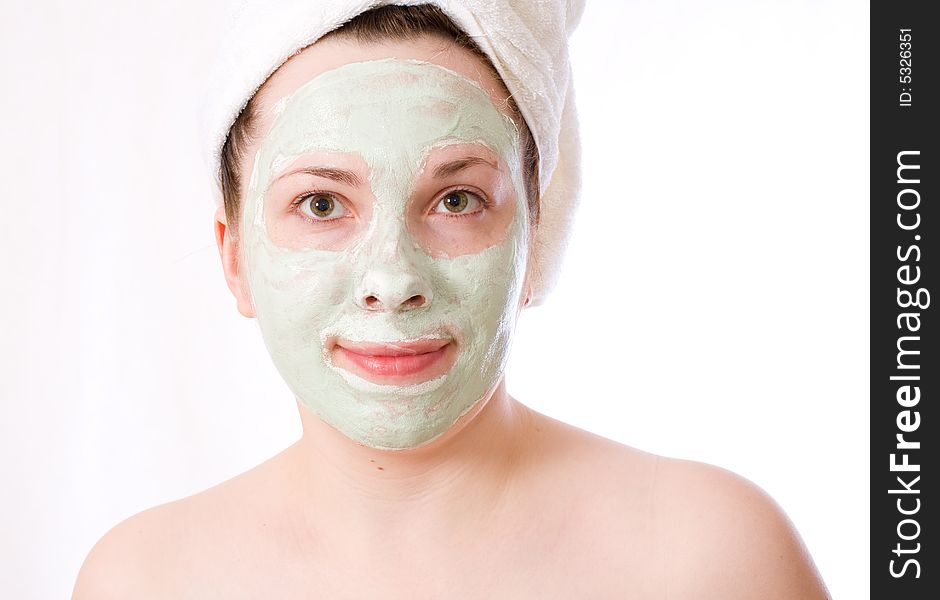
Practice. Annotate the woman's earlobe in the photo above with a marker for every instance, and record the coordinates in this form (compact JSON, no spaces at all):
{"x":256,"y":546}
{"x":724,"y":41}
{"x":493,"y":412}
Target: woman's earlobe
{"x":527,"y":295}
{"x":228,"y":253}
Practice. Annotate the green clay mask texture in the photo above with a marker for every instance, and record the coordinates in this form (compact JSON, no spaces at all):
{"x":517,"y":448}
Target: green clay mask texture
{"x":391,"y":113}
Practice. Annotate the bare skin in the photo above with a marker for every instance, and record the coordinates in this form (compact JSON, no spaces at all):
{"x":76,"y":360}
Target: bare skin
{"x":517,"y":506}
{"x":509,"y":503}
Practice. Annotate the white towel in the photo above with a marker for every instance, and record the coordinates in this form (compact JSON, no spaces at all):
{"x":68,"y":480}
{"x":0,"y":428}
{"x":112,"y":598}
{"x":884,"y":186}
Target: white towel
{"x":527,"y":41}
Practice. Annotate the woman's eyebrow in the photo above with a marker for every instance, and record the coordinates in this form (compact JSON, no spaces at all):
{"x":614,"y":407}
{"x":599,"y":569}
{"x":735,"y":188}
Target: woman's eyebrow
{"x":454,"y":166}
{"x":340,"y":175}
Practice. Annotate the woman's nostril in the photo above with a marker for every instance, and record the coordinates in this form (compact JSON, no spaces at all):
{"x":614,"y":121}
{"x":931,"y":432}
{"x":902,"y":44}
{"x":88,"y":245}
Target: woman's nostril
{"x":415,"y":301}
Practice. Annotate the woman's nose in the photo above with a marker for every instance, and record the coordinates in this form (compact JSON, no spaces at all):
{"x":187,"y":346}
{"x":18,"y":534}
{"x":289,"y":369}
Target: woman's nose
{"x":386,"y":287}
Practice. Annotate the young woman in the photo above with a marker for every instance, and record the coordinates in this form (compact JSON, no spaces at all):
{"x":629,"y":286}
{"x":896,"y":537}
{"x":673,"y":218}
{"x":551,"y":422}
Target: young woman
{"x":382,"y":210}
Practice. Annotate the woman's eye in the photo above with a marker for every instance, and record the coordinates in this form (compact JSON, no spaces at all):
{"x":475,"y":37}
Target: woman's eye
{"x":321,"y":207}
{"x":460,"y":202}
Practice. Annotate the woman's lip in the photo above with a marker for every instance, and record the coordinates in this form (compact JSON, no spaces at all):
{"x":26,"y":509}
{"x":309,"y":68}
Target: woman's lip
{"x":399,"y":363}
{"x":393,"y":349}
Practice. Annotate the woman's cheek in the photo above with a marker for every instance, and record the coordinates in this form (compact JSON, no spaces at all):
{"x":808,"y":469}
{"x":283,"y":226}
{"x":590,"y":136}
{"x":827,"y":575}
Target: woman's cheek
{"x":443,"y":236}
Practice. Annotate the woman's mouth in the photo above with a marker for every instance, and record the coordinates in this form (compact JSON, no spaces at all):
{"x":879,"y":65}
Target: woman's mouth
{"x":397,"y":363}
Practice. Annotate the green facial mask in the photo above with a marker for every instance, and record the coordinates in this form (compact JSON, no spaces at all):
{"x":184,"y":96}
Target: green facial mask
{"x":391,"y":113}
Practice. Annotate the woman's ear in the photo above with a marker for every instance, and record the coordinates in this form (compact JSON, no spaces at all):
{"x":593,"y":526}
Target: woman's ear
{"x":529,"y":275}
{"x":228,"y":252}
{"x":526,"y":298}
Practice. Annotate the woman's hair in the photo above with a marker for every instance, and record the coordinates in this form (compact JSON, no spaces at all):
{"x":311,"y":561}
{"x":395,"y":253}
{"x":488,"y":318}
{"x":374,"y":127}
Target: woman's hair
{"x":391,"y":22}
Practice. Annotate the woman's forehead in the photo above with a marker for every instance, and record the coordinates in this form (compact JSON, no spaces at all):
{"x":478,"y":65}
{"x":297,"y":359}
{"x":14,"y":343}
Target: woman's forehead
{"x":394,"y":113}
{"x":393,"y":104}
{"x":331,"y":53}
{"x":439,"y":162}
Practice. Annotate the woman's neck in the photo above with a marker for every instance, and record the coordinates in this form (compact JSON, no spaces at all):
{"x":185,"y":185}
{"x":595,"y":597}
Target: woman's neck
{"x":458,"y":481}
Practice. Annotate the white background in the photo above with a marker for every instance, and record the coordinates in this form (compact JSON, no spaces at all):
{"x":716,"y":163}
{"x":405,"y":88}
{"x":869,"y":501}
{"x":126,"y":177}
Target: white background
{"x":714,"y":304}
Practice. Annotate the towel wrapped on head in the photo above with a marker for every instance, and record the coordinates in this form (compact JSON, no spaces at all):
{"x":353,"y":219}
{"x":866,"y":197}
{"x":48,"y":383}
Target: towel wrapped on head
{"x":526,"y":40}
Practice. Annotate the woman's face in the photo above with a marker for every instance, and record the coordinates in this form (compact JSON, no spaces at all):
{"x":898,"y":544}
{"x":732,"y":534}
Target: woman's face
{"x":384,"y":236}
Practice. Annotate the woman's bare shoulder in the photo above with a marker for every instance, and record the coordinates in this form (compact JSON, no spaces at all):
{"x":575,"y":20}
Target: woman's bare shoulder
{"x":136,"y":557}
{"x":729,"y":536}
{"x":704,"y":531}
{"x":123,"y":562}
